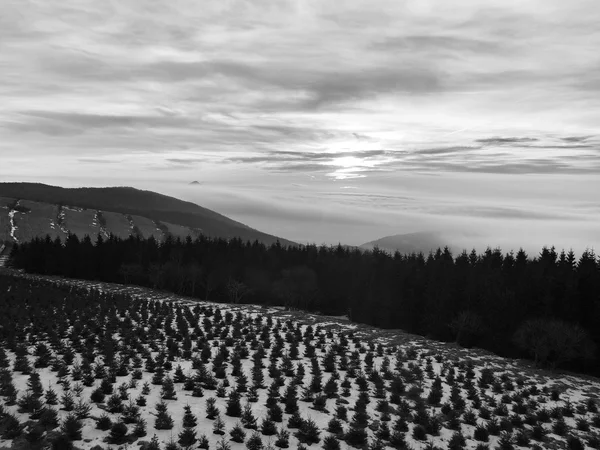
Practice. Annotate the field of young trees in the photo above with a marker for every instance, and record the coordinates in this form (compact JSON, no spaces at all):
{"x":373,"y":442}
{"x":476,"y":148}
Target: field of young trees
{"x":87,"y":367}
{"x":545,"y":307}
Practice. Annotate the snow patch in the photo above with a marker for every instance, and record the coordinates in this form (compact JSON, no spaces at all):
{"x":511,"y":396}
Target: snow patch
{"x":61,"y":220}
{"x":73,"y":208}
{"x":13,"y":227}
{"x":96,"y":223}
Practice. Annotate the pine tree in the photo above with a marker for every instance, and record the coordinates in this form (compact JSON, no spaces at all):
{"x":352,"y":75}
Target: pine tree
{"x":11,"y":427}
{"x":131,"y":412}
{"x":258,"y":377}
{"x":168,"y":389}
{"x":356,"y":436}
{"x":34,"y":436}
{"x":219,"y":426}
{"x":48,"y":419}
{"x":268,"y":427}
{"x":291,"y":400}
{"x":97,"y":395}
{"x":62,"y":442}
{"x":197,"y":391}
{"x":334,"y":426}
{"x":296,"y":421}
{"x":172,"y":445}
{"x":189,"y":419}
{"x":154,"y":444}
{"x":248,"y":419}
{"x":104,"y":423}
{"x":179,"y":376}
{"x":187,"y":438}
{"x":10,"y":392}
{"x":331,"y":443}
{"x":158,"y":376}
{"x":106,"y":386}
{"x":252,"y":395}
{"x":398,"y":439}
{"x":29,"y":403}
{"x":203,"y":442}
{"x":22,"y":364}
{"x":237,"y":433}
{"x":242,"y":383}
{"x":457,"y":441}
{"x":118,"y":433}
{"x":223,"y":445}
{"x":82,"y":409}
{"x":309,"y":432}
{"x":234,"y":407}
{"x":283,"y":438}
{"x":71,"y":427}
{"x":140,"y":428}
{"x":255,"y":442}
{"x":35,"y":385}
{"x":211,"y":409}
{"x":163,"y":418}
{"x":114,"y":404}
{"x":506,"y":441}
{"x":68,"y":402}
{"x":275,"y":413}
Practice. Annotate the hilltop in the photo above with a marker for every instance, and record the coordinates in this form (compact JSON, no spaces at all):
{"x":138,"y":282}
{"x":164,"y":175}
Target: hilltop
{"x":422,"y":242}
{"x":34,"y":209}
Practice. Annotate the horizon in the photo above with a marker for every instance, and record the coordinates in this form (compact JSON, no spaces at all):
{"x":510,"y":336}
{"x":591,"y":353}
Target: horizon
{"x":436,"y":238}
{"x":315,"y":122}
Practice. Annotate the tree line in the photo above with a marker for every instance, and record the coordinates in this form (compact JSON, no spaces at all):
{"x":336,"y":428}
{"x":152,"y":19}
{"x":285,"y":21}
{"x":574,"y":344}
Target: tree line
{"x":545,"y":306}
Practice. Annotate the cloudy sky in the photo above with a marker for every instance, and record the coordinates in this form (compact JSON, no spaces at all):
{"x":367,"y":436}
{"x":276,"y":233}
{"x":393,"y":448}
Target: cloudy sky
{"x":316,"y":120}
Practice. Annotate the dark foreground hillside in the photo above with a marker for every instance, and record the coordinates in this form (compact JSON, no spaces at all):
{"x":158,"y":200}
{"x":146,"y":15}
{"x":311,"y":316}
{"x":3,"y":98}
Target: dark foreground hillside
{"x":93,"y":366}
{"x":546,"y":308}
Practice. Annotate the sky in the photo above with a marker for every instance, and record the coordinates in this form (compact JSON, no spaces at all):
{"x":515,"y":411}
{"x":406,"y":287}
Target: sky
{"x":318,"y":121}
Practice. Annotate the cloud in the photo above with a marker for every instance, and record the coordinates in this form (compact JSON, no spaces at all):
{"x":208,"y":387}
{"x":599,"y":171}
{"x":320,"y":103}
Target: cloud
{"x":299,"y":167}
{"x":447,"y":150}
{"x":506,"y":140}
{"x":185,"y":160}
{"x":441,"y":43}
{"x":107,"y":120}
{"x":576,"y":138}
{"x":318,"y":85}
{"x":99,"y":161}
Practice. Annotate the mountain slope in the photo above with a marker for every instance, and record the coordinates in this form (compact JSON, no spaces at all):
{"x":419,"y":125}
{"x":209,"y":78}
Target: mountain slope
{"x":409,"y":243}
{"x":129,"y":201}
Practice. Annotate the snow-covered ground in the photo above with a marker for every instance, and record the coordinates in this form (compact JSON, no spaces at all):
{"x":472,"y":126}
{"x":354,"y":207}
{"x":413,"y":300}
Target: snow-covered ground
{"x":13,"y":226}
{"x":381,"y":356}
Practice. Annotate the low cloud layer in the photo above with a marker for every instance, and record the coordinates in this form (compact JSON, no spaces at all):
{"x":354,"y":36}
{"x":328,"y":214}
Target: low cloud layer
{"x":312,"y":100}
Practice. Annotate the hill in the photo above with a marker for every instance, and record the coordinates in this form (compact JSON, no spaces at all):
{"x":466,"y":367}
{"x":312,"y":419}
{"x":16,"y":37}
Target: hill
{"x":409,"y":243}
{"x":43,"y":209}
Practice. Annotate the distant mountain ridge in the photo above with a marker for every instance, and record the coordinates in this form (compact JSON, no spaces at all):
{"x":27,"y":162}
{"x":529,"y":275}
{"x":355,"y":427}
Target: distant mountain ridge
{"x":131,"y":202}
{"x":409,"y":243}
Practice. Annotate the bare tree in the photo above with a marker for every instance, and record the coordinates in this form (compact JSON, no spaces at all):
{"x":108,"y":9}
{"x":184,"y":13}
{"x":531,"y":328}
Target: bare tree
{"x":209,"y":281}
{"x":297,"y":287}
{"x":467,"y":325}
{"x":194,"y":274}
{"x":552,"y":342}
{"x":236,"y":290}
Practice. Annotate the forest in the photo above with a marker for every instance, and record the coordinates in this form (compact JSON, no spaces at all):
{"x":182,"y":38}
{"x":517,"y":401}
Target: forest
{"x":546,"y":307}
